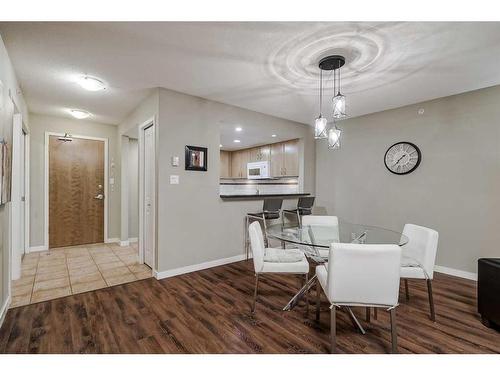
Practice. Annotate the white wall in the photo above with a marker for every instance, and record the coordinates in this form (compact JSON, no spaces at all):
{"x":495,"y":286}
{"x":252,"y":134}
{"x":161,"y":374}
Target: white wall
{"x":455,"y":190}
{"x":11,"y":101}
{"x":39,"y":124}
{"x":133,"y":188}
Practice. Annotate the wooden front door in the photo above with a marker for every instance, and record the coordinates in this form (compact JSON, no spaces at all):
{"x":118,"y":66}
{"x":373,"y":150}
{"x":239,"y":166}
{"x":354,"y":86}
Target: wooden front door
{"x":76,"y":192}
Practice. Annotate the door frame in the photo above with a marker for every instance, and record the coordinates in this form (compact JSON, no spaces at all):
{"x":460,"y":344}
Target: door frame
{"x":142,"y":127}
{"x":46,"y":182}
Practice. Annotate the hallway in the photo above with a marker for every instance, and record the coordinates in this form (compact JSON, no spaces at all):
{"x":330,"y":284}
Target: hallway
{"x":71,"y":270}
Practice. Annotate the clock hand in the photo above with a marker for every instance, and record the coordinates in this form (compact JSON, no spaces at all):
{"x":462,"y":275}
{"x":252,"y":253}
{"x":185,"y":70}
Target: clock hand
{"x":396,"y":163}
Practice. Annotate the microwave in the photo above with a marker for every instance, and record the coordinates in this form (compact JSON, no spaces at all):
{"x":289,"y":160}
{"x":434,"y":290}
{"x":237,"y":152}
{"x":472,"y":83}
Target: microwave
{"x":258,"y":169}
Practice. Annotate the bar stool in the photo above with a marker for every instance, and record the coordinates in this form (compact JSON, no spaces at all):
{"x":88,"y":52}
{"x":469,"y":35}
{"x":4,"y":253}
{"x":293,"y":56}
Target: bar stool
{"x":304,"y":207}
{"x":271,"y":210}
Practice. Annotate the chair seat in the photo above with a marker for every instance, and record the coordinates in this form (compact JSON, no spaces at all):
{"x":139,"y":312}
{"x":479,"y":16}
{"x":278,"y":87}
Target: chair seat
{"x":301,"y":267}
{"x":267,"y":215}
{"x":412,"y":273}
{"x":302,"y":211}
{"x":322,"y":275}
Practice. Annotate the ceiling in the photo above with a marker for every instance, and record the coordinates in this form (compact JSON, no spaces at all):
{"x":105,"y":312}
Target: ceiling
{"x":252,"y":135}
{"x":269,"y":67}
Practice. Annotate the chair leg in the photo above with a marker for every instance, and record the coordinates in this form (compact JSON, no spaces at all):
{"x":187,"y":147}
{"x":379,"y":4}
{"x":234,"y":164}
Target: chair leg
{"x":407,"y":290}
{"x":318,"y":299}
{"x":375,"y":313}
{"x":394,"y":331}
{"x":368,"y":313}
{"x":255,"y":292}
{"x":298,"y":219}
{"x":265,"y":230}
{"x":431,"y":300}
{"x":333,"y":331}
{"x":246,"y":237}
{"x":306,"y":296}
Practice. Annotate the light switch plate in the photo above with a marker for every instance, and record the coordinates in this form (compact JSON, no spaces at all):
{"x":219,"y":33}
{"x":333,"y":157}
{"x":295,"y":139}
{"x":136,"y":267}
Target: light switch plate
{"x":175,"y":161}
{"x":174,"y":179}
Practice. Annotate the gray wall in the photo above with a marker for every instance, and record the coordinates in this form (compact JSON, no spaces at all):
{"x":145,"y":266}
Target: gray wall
{"x":133,"y":188}
{"x":194,"y":224}
{"x":455,"y":190}
{"x":39,"y":124}
{"x":8,"y":107}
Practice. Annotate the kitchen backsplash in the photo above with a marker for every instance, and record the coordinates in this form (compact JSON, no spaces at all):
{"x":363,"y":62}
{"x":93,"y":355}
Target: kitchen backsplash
{"x":274,"y":186}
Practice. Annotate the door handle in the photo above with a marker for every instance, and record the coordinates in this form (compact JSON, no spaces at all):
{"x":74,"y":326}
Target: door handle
{"x":99,"y":196}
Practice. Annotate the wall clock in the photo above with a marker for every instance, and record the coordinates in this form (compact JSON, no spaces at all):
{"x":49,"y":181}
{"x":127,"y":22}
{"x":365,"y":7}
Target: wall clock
{"x":402,"y":158}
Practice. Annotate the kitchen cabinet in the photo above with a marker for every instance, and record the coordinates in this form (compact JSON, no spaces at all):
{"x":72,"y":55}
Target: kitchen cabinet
{"x":285,"y":159}
{"x":239,"y":160}
{"x":225,"y":164}
{"x":259,"y":154}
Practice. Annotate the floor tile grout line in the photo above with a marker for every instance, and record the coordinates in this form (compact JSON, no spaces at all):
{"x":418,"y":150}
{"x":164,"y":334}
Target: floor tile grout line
{"x":34,"y":278}
{"x":67,"y":270}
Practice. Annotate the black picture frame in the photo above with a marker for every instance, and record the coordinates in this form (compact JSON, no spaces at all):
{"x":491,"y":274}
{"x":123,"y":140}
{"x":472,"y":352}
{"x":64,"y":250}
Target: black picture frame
{"x":196,"y":158}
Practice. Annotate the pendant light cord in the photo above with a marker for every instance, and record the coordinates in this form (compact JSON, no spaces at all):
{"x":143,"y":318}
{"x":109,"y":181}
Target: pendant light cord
{"x":320,"y":91}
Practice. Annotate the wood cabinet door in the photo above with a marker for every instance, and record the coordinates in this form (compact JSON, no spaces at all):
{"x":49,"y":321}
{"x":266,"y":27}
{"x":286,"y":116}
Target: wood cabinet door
{"x":76,"y":192}
{"x":276,"y":159}
{"x":265,"y":153}
{"x":291,"y":158}
{"x":225,"y":164}
{"x":239,"y":160}
{"x":254,"y":154}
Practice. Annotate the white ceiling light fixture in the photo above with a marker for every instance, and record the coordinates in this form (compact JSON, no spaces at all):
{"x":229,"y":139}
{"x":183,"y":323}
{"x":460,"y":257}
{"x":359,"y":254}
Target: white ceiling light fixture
{"x":91,"y":83}
{"x":79,"y":113}
{"x":236,"y":141}
{"x":334,"y":63}
{"x":273,"y":135}
{"x":220,"y":145}
{"x":238,"y":129}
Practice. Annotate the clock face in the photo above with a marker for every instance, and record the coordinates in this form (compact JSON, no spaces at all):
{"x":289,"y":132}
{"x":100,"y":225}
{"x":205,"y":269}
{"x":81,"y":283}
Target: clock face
{"x":402,"y":158}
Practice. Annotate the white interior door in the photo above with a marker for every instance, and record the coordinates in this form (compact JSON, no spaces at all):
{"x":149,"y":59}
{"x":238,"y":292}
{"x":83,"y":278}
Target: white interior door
{"x":22,"y":185}
{"x":17,"y":191}
{"x":149,"y":196}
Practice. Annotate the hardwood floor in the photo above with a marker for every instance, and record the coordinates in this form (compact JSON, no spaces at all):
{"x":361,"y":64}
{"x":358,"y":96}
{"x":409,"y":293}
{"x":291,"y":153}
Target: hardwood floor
{"x":209,"y":312}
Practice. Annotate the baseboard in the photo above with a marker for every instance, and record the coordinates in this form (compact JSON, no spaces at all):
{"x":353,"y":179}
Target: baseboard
{"x":112,"y":240}
{"x":198,"y":267}
{"x":38,"y":248}
{"x":4,"y":309}
{"x":455,"y":272}
{"x":133,"y":239}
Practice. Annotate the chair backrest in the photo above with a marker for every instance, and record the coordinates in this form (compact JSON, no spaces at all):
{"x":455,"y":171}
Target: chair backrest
{"x":272,"y":205}
{"x":305,"y":202}
{"x":422,"y":246}
{"x":325,"y":221}
{"x":258,"y":247}
{"x":363,"y":274}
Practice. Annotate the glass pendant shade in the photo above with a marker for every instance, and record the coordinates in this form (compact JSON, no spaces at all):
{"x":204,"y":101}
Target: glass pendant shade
{"x":334,"y":138}
{"x":339,"y":106}
{"x":320,"y":128}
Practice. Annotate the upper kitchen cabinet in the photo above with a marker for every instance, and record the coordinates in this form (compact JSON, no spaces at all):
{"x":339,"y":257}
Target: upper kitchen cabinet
{"x":225,"y":164}
{"x":285,"y":159}
{"x":239,"y":160}
{"x":262,"y":153}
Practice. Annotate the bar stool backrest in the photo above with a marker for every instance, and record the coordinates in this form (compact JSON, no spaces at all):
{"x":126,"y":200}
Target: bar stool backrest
{"x":305,"y":202}
{"x":272,"y":205}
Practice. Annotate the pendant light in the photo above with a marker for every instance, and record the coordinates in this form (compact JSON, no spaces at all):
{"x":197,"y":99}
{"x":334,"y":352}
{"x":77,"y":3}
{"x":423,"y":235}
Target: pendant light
{"x":332,"y":63}
{"x":320,"y":122}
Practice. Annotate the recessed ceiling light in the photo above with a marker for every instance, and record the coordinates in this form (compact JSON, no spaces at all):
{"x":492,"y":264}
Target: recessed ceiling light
{"x":91,"y":83}
{"x":238,"y":129}
{"x":220,"y":145}
{"x":274,"y":135}
{"x":236,"y":141}
{"x":79,"y":114}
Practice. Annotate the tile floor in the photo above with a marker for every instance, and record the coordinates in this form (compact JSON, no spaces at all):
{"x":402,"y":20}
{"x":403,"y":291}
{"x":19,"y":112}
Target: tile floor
{"x":70,"y":270}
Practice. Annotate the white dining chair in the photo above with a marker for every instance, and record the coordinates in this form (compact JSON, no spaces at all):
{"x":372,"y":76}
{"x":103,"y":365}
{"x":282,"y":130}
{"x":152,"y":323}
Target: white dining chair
{"x":272,"y":260}
{"x":323,"y":221}
{"x":360,"y":275}
{"x":418,"y":259}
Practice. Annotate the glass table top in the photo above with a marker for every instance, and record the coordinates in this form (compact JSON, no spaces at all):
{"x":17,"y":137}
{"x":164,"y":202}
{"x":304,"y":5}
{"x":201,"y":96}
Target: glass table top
{"x":323,"y":236}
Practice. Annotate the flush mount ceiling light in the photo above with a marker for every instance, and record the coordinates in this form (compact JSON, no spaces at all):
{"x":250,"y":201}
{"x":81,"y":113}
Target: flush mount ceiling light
{"x":91,"y":83}
{"x":79,"y":113}
{"x":273,"y":135}
{"x":331,"y":63}
{"x":238,"y":129}
{"x":236,"y":141}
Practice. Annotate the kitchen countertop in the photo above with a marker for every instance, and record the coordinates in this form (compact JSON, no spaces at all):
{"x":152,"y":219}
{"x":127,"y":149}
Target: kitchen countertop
{"x":257,"y":196}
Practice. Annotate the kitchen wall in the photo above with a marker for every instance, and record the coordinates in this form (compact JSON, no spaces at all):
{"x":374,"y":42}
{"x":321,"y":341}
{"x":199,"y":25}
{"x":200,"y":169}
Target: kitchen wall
{"x":39,"y":124}
{"x":11,"y":101}
{"x":285,"y":185}
{"x":455,"y":190}
{"x":133,"y":188}
{"x":195,"y":224}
